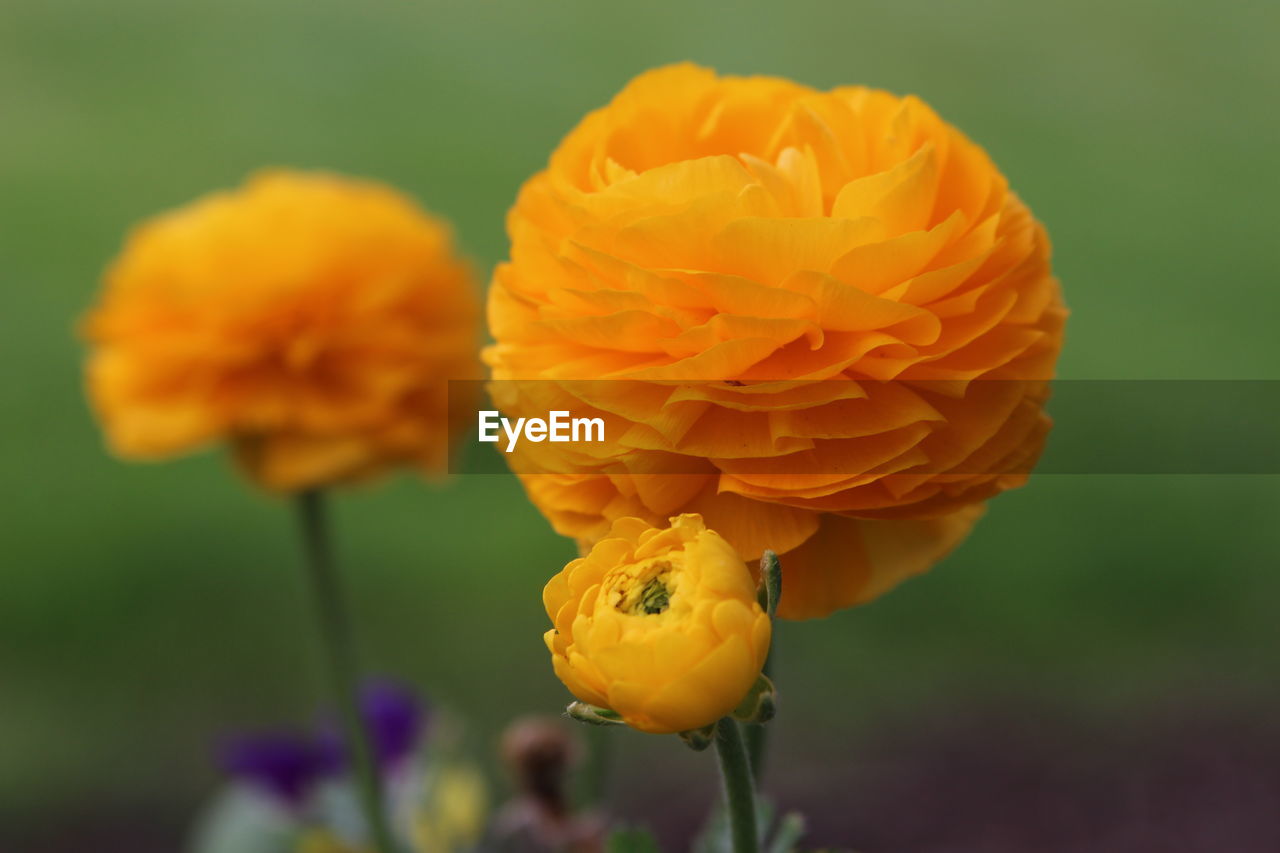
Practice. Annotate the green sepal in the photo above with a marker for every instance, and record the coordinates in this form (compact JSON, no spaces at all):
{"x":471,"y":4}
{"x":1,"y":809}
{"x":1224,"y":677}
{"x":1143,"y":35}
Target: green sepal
{"x":593,"y":715}
{"x":770,"y":583}
{"x":760,"y":703}
{"x":700,"y":739}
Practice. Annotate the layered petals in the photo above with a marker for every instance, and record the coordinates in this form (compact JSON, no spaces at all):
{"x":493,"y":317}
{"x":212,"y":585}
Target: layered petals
{"x":825,"y":314}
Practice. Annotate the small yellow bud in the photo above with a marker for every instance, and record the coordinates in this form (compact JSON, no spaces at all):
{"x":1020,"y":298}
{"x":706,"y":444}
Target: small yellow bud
{"x":661,"y":627}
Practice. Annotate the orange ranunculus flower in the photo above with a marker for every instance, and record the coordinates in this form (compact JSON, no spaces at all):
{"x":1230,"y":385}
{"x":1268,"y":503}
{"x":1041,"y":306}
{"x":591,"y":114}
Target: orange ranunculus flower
{"x":312,"y":321}
{"x":660,"y":626}
{"x":814,"y":290}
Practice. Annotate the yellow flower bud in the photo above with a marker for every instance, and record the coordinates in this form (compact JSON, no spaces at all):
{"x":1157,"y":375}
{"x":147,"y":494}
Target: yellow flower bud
{"x":661,"y":626}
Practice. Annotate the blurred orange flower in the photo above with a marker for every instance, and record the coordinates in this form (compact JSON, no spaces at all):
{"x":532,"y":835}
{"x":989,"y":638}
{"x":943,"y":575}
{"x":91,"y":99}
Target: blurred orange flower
{"x":310,"y":320}
{"x":809,"y":286}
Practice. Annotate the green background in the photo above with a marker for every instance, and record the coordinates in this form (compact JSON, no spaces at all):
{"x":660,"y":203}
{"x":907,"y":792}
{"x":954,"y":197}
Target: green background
{"x":146,"y":608}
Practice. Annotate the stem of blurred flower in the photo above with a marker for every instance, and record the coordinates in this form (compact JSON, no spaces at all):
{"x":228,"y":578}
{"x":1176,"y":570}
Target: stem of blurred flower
{"x":593,"y":787}
{"x":739,"y":791}
{"x":339,"y":651}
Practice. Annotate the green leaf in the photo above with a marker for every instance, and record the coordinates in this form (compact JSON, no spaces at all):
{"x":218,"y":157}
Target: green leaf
{"x":714,"y":837}
{"x":593,"y":715}
{"x":790,"y":831}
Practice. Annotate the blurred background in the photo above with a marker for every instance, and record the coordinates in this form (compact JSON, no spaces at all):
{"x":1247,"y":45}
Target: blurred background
{"x":1093,"y":670}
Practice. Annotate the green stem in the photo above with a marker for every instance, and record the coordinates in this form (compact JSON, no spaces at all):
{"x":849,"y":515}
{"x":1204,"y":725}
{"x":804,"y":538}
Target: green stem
{"x":757,"y":742}
{"x":593,"y":787}
{"x":339,"y":651}
{"x":757,"y":733}
{"x":770,"y":592}
{"x":739,"y":791}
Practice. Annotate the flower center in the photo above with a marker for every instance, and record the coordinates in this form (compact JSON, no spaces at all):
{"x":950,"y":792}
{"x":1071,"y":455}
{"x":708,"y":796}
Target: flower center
{"x":655,"y":597}
{"x":645,"y":596}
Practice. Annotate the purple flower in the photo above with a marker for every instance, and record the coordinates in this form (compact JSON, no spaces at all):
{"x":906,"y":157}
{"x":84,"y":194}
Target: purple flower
{"x":394,"y":718}
{"x":285,"y":765}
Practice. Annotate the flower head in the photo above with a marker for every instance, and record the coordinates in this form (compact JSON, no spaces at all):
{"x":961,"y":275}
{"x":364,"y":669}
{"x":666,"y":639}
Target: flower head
{"x":309,"y":320}
{"x":660,"y":626}
{"x":284,"y":765}
{"x":838,"y":315}
{"x":287,"y":765}
{"x":395,"y":719}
